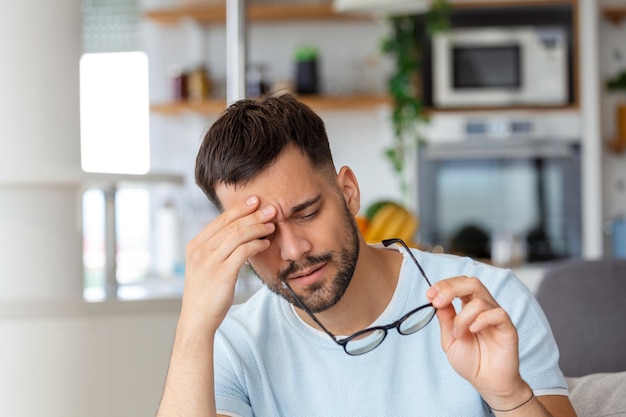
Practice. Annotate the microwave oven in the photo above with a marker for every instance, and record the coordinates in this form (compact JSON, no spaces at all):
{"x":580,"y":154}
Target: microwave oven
{"x":500,"y":66}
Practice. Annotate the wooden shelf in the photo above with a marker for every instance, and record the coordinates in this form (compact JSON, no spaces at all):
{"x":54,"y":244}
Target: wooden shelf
{"x":209,"y":107}
{"x":216,"y":14}
{"x":614,"y":14}
{"x":317,"y":103}
{"x":529,"y":107}
{"x":338,"y":103}
{"x":347,"y":102}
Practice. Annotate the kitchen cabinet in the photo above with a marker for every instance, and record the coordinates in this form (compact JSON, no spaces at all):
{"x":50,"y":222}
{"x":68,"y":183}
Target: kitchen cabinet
{"x":257,"y":13}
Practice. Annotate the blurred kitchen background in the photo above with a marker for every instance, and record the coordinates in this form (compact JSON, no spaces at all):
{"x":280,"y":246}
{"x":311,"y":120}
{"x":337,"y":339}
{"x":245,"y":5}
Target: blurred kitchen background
{"x":104,"y":102}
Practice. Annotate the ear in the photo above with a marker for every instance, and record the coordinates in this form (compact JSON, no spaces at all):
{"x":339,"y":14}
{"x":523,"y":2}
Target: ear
{"x":349,"y":187}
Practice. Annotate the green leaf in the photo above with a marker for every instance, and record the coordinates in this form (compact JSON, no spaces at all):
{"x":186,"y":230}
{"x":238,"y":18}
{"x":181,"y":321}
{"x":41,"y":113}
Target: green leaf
{"x":404,"y":45}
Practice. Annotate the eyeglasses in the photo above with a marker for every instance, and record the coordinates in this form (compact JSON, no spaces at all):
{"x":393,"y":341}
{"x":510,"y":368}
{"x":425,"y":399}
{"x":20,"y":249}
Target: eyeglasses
{"x":368,"y":339}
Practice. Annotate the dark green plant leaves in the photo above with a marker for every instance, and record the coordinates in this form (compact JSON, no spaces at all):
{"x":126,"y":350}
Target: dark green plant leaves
{"x":404,"y":44}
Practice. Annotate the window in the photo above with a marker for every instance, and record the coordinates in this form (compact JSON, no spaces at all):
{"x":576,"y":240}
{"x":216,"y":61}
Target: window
{"x":115,"y":139}
{"x":114,"y":112}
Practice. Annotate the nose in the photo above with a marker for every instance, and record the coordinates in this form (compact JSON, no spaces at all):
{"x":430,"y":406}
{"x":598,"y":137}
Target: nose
{"x":294,"y":245}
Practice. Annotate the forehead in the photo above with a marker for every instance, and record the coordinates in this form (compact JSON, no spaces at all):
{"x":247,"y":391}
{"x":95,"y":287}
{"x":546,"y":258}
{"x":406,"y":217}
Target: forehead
{"x":286,"y":182}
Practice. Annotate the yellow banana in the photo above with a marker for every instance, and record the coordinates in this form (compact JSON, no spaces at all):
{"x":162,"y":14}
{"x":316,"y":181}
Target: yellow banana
{"x":376,"y":229}
{"x":395,"y":224}
{"x":409,"y":228}
{"x":392,"y":221}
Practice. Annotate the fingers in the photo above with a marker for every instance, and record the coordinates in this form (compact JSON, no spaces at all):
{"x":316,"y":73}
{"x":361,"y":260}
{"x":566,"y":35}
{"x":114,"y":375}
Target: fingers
{"x":236,"y":233}
{"x":239,"y":212}
{"x":466,"y":288}
{"x":215,"y":257}
{"x":480,"y":340}
{"x":479,"y":309}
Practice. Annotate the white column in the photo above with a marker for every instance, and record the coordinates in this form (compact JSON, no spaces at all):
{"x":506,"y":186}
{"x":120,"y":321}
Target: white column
{"x":40,"y":241}
{"x":236,"y":42}
{"x":592,"y":140}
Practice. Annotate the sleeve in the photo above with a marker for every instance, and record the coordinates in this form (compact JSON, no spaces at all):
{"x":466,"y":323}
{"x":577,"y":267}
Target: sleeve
{"x":230,"y":389}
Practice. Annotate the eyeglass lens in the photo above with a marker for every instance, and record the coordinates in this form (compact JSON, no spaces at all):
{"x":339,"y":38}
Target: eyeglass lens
{"x":416,"y":320}
{"x":364,"y":342}
{"x":369,"y":339}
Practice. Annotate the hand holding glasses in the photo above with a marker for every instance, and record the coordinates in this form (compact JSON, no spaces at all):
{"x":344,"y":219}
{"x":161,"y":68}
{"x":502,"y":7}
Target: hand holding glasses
{"x":368,"y":339}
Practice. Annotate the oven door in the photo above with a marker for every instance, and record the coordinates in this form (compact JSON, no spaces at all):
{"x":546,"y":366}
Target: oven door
{"x":469,"y":192}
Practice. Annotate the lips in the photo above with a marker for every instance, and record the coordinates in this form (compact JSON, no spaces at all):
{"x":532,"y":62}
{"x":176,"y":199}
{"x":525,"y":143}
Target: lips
{"x":309,"y":276}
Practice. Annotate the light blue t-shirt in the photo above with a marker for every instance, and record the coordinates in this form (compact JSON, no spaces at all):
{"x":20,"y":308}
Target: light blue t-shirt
{"x":269,"y":363}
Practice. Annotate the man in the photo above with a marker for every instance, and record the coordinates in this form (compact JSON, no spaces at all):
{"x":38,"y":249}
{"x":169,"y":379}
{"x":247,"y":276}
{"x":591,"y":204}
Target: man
{"x":297,"y":347}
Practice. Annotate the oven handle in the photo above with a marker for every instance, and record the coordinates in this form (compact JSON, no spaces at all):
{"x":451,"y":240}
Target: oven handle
{"x":499,"y":150}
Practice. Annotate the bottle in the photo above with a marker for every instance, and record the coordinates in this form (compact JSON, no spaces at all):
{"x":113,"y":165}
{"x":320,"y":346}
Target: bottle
{"x":178,"y":83}
{"x":256,"y":81}
{"x":199,"y":84}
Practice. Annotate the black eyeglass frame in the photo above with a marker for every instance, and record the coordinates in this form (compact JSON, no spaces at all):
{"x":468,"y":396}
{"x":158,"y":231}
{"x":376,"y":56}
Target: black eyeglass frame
{"x":396,"y":324}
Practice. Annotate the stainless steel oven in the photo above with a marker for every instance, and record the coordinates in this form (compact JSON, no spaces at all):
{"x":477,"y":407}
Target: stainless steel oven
{"x":484,"y":177}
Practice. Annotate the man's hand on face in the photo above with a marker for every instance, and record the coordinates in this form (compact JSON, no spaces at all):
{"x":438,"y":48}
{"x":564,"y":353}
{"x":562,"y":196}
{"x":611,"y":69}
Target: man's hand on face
{"x":214,"y":258}
{"x":480,"y":340}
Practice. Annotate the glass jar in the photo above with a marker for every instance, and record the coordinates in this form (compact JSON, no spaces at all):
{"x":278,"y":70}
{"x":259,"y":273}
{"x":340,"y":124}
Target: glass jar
{"x":199,"y":84}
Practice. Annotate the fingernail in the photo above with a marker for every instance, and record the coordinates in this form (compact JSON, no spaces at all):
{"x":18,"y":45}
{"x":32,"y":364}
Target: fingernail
{"x":251,"y":200}
{"x":431,"y":293}
{"x":268,"y":211}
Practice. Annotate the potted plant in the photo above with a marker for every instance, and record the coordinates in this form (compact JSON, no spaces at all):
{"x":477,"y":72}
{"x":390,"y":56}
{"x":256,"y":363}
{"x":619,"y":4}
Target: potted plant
{"x":404,"y":44}
{"x":307,"y":81}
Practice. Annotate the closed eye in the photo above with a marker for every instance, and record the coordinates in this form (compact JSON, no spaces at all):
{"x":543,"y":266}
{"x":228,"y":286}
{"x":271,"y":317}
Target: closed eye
{"x":309,"y":216}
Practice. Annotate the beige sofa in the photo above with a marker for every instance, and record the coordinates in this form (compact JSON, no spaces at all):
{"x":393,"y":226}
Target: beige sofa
{"x":599,"y":395}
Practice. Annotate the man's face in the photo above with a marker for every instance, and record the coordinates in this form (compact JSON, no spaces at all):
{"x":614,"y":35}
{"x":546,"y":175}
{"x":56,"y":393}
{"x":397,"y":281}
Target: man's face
{"x":315,"y":244}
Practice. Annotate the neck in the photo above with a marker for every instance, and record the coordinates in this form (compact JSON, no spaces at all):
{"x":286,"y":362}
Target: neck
{"x":370,"y":291}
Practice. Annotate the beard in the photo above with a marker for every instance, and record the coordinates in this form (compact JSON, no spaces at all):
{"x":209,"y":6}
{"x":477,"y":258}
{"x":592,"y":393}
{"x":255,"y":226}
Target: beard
{"x":320,"y":296}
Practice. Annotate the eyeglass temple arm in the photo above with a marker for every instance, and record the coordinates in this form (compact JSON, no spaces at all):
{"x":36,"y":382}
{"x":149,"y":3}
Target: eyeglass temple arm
{"x":309,"y":312}
{"x":388,"y":242}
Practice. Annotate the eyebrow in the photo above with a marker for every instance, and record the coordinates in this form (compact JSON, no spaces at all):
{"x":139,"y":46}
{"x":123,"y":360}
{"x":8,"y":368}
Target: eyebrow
{"x":306,"y":204}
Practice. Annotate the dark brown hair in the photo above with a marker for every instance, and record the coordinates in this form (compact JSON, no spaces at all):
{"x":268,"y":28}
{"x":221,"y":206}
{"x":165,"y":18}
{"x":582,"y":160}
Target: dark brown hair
{"x":250,"y":135}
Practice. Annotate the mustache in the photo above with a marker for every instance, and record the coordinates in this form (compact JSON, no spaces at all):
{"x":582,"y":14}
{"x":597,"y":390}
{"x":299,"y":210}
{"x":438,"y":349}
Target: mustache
{"x":309,"y":261}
